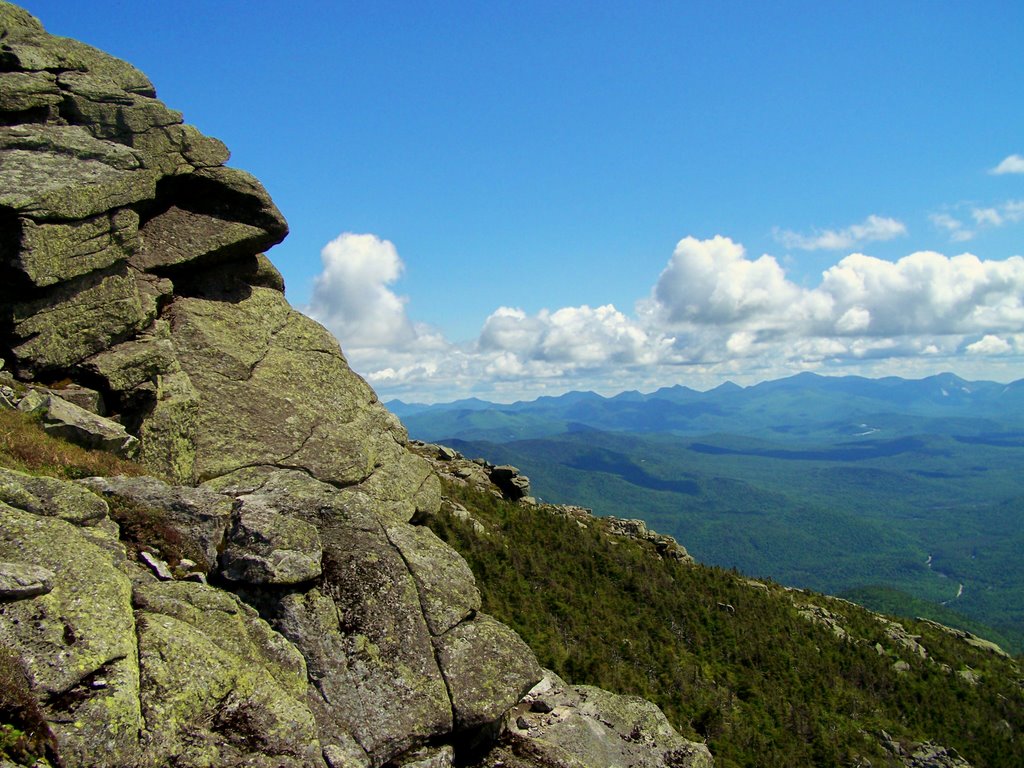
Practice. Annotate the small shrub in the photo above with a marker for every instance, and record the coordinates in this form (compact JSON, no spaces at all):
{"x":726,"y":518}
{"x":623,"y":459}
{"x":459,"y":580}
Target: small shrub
{"x":144,"y":527}
{"x":24,"y":735}
{"x":25,"y":446}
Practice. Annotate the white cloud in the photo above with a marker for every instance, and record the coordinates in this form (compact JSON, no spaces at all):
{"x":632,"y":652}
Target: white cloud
{"x":1009,"y":212}
{"x":873,"y":228}
{"x":351,"y":295}
{"x":712,"y":281}
{"x":987,"y":217}
{"x":569,"y":338}
{"x":511,"y":330}
{"x":957,"y":230}
{"x":713,"y":313}
{"x":984,"y":218}
{"x":1010,"y":164}
{"x":989,"y":344}
{"x":853,"y":320}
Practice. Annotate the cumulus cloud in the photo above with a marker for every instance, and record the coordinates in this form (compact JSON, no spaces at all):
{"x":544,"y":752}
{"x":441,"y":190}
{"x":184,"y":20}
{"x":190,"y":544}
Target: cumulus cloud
{"x":351,"y":295}
{"x":873,"y":228}
{"x":989,"y":344}
{"x":712,"y":281}
{"x":570,"y":337}
{"x":714,"y":312}
{"x":1010,"y":164}
{"x":719,"y":304}
{"x":926,"y":293}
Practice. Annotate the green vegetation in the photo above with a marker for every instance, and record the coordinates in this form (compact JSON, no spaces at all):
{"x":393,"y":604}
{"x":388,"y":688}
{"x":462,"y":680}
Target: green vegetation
{"x":729,"y":661}
{"x":23,"y":731}
{"x":24,"y":446}
{"x":894,"y":602}
{"x":921,"y":515}
{"x":832,"y":484}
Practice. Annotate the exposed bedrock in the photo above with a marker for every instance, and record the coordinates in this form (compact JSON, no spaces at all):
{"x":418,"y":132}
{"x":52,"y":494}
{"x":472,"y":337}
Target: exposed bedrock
{"x":265,"y":600}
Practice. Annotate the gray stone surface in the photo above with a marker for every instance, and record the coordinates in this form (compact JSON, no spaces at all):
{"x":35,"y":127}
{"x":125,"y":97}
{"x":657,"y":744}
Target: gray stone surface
{"x":487,"y":667}
{"x":178,"y":236}
{"x":19,"y":581}
{"x":77,"y":640}
{"x":199,"y":516}
{"x":240,"y":701}
{"x":511,"y":481}
{"x":448,"y":592}
{"x":132,"y":363}
{"x":366,"y":641}
{"x":49,"y":497}
{"x":265,"y":547}
{"x":77,"y":425}
{"x":63,"y":173}
{"x":53,"y":252}
{"x":561,"y":726}
{"x":73,"y":320}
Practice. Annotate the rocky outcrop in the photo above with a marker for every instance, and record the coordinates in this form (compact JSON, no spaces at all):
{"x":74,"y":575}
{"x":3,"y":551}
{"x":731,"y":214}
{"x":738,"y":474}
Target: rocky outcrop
{"x":512,"y":483}
{"x":286,"y":611}
{"x":922,"y":754}
{"x":74,"y":423}
{"x":971,"y":639}
{"x":366,"y":642}
{"x":130,"y":261}
{"x":563,"y":726}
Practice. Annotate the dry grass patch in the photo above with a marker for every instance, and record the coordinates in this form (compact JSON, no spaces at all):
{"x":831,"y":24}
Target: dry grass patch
{"x":24,"y":446}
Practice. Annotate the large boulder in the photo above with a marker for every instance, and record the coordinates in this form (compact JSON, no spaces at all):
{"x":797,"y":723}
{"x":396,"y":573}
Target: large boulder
{"x":196,"y":519}
{"x":487,"y":667}
{"x":266,"y":547}
{"x":564,"y":726}
{"x":76,"y":638}
{"x":219,"y":687}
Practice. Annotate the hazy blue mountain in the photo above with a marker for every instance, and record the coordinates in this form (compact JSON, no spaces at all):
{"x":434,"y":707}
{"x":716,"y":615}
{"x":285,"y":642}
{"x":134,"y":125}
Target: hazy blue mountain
{"x":846,"y":484}
{"x":805,"y":406}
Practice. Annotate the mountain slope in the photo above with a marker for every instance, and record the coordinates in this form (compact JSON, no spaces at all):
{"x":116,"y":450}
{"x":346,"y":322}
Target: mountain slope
{"x":831,"y":483}
{"x":930,"y":516}
{"x":767,"y":676}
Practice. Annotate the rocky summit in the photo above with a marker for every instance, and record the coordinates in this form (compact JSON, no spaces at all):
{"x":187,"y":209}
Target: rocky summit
{"x":286,"y":611}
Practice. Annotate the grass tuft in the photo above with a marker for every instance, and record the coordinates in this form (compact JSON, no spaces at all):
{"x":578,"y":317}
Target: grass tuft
{"x":24,"y":446}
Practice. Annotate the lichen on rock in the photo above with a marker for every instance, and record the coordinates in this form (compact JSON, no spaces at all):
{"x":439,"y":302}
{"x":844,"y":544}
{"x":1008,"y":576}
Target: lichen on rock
{"x":301,"y":619}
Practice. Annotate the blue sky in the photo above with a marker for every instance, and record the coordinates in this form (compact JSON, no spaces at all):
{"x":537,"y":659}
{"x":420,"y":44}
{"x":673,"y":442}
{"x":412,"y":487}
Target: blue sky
{"x":514,"y":199}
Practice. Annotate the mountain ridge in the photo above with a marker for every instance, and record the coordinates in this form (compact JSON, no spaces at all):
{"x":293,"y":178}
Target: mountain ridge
{"x":671,"y":392}
{"x":261,"y":587}
{"x":771,"y":407}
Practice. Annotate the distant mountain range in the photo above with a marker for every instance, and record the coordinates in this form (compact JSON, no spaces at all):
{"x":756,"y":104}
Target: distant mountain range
{"x":804,"y":406}
{"x":872,"y":487}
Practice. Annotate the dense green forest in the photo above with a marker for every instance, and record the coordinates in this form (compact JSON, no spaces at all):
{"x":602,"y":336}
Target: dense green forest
{"x":907,"y":493}
{"x":767,"y":676}
{"x":934,"y":520}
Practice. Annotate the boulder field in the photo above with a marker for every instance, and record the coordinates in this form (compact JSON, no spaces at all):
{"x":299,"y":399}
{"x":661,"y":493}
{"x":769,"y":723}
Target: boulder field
{"x":301,"y":618}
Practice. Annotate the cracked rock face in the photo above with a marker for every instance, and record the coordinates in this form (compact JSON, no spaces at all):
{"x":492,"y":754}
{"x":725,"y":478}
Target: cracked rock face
{"x":305,"y":621}
{"x":131,"y":261}
{"x":374,"y":652}
{"x":563,"y":726}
